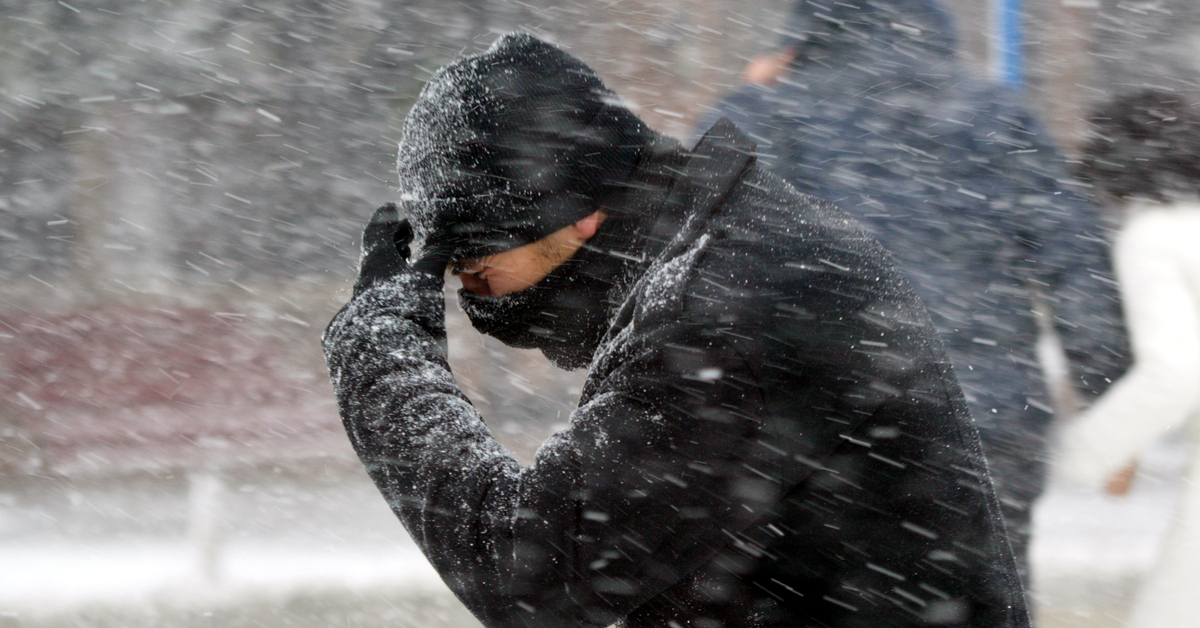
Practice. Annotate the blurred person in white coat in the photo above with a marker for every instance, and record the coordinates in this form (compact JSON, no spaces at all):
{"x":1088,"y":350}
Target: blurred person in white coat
{"x":1145,"y":158}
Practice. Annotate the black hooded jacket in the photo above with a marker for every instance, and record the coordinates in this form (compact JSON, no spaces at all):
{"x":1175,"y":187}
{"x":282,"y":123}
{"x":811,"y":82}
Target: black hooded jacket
{"x":769,"y":435}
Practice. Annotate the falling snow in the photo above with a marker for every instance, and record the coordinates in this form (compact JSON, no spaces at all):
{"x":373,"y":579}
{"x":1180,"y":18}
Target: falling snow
{"x":182,"y":189}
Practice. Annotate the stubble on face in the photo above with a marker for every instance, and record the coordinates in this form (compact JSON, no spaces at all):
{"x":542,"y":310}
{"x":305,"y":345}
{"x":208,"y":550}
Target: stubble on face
{"x":517,"y":269}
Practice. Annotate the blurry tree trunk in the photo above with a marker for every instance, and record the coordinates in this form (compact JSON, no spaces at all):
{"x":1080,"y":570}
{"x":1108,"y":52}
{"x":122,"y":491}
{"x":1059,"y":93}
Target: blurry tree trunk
{"x":95,"y":172}
{"x":122,"y":239}
{"x":1069,"y":71}
{"x":698,"y":57}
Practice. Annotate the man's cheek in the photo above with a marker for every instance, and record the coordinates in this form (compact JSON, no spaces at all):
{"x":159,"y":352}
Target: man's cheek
{"x":475,"y":284}
{"x":505,"y":284}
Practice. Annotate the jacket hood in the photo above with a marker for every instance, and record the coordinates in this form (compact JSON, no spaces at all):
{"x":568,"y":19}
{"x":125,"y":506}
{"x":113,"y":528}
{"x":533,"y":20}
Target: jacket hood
{"x":508,"y":146}
{"x":875,"y":27}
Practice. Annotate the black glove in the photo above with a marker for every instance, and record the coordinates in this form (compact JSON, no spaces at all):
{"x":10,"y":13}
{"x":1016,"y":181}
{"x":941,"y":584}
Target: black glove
{"x":386,"y":248}
{"x":388,"y":287}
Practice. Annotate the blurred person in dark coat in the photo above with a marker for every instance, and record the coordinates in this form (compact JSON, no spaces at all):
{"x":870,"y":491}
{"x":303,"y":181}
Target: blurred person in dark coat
{"x":866,"y":106}
{"x":769,"y":435}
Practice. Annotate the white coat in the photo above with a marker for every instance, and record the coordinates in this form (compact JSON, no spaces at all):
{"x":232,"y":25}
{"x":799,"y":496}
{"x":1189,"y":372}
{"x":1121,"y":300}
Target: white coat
{"x":1157,"y":260}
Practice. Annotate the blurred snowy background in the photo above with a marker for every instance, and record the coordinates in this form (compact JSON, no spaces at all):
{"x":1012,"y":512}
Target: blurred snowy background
{"x":181,"y":187}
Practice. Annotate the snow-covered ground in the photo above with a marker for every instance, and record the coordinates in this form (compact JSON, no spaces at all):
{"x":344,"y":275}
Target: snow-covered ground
{"x":314,"y":545}
{"x":307,"y":546}
{"x":65,"y":573}
{"x":1091,"y":550}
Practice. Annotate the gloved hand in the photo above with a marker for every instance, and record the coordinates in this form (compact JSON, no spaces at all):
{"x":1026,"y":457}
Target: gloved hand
{"x":388,"y":286}
{"x":385,"y":251}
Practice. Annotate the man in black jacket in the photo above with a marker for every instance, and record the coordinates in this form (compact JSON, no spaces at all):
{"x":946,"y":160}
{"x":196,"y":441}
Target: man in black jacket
{"x":770,"y":434}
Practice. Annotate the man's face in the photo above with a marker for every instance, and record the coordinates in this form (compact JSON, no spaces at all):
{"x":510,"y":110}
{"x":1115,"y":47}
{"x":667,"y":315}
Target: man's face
{"x":503,"y":273}
{"x":519,"y":268}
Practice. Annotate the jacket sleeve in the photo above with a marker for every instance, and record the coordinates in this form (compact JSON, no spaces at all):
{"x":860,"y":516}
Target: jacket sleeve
{"x":645,"y":485}
{"x":1159,"y":393}
{"x":1068,"y":254}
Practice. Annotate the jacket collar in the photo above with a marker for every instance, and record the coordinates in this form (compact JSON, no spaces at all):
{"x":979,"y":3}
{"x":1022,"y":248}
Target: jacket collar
{"x":709,"y":173}
{"x":669,"y":200}
{"x":714,"y":166}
